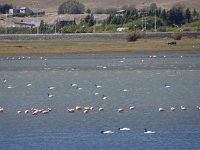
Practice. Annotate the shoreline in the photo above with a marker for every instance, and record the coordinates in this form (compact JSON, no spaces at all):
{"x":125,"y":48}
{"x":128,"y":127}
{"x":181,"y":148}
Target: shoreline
{"x":94,"y":46}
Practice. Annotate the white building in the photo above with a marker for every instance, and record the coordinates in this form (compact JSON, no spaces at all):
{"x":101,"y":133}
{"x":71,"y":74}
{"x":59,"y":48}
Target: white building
{"x":25,"y":10}
{"x":14,"y":11}
{"x":21,"y":10}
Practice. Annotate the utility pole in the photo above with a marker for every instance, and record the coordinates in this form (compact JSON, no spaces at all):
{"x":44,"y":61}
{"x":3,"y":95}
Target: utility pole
{"x":37,"y":23}
{"x":155,"y":21}
{"x":94,"y":25}
{"x":55,"y":26}
{"x":6,"y":23}
{"x":145,"y":23}
{"x":142,"y":22}
{"x":105,"y":26}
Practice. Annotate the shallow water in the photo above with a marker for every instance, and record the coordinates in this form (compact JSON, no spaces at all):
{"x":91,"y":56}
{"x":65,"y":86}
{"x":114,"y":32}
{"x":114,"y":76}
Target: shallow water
{"x":125,"y":79}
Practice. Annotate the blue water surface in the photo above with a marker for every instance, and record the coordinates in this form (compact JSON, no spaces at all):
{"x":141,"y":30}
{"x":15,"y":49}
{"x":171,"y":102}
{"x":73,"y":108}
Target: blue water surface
{"x":145,"y":81}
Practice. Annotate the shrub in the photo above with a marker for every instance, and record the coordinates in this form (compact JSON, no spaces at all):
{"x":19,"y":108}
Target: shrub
{"x":5,"y":8}
{"x":69,"y":29}
{"x":88,"y":11}
{"x":88,"y":20}
{"x":162,"y":29}
{"x":133,"y":36}
{"x":84,"y":29}
{"x":71,"y":7}
{"x":177,"y":35}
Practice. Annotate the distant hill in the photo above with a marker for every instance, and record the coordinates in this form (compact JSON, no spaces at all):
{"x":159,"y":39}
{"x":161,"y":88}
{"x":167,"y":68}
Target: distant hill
{"x":51,"y":6}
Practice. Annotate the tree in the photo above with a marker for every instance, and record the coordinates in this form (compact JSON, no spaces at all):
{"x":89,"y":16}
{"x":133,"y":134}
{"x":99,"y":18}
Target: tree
{"x":113,"y":19}
{"x":131,"y":12}
{"x":163,"y":14}
{"x":5,"y":8}
{"x":176,"y":15}
{"x":89,"y":20}
{"x":71,"y":7}
{"x":43,"y":27}
{"x":88,"y":11}
{"x":188,"y":15}
{"x":153,"y":7}
{"x":194,"y":15}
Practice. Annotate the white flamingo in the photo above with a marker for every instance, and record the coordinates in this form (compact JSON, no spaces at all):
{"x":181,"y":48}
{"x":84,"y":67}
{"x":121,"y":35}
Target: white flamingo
{"x":183,"y":108}
{"x":172,"y":108}
{"x":120,"y":110}
{"x":107,"y":132}
{"x":161,"y":109}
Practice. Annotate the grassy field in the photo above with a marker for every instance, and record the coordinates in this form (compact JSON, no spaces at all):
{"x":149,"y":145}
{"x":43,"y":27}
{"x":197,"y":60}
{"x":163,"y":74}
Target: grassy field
{"x":97,"y":46}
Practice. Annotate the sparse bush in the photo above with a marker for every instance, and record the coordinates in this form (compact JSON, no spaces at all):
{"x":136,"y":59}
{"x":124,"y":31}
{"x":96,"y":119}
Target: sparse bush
{"x":177,"y":35}
{"x":134,"y":36}
{"x":162,"y":29}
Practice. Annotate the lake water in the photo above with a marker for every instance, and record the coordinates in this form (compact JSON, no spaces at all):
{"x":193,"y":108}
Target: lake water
{"x":110,"y":81}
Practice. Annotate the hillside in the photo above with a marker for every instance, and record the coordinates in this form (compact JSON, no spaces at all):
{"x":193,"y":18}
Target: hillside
{"x":52,"y":5}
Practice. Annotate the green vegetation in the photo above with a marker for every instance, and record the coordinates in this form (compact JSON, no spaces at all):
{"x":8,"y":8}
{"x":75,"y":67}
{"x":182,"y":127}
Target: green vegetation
{"x":71,"y":7}
{"x":88,"y":20}
{"x":16,"y":30}
{"x":174,"y":17}
{"x":44,"y":28}
{"x":173,"y":20}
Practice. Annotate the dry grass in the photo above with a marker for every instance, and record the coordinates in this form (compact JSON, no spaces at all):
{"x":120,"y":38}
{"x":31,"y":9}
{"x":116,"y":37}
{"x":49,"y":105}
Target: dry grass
{"x":52,"y":5}
{"x":96,"y":46}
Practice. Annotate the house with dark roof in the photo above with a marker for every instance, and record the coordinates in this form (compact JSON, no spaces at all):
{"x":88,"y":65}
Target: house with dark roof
{"x":67,"y":22}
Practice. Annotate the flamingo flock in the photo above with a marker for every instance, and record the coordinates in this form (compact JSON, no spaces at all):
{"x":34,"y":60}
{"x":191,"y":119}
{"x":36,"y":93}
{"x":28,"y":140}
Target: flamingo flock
{"x":87,"y":109}
{"x":35,"y":111}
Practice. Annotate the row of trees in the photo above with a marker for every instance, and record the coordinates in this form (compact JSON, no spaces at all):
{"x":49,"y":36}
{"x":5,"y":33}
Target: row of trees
{"x":176,"y":16}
